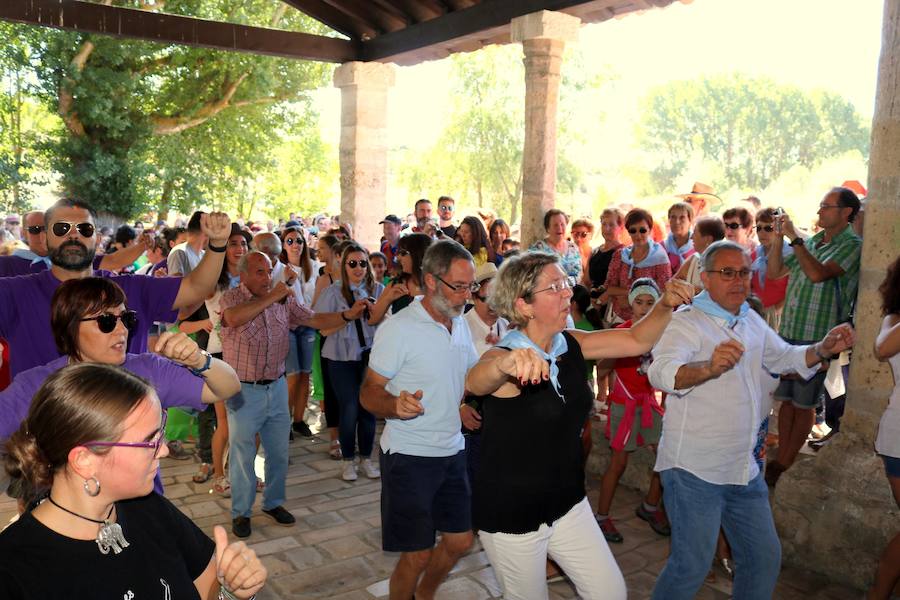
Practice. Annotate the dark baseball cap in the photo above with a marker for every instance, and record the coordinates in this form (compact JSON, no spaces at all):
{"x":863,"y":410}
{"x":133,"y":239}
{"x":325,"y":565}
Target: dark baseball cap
{"x":393,"y":219}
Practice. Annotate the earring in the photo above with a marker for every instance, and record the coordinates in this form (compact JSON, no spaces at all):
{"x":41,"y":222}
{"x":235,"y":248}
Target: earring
{"x":87,"y":487}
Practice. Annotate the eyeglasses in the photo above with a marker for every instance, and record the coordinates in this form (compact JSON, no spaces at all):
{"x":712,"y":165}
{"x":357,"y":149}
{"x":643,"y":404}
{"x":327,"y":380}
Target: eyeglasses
{"x":463,"y":287}
{"x":732,"y":226}
{"x":36,"y":229}
{"x":402,"y":252}
{"x":107,"y":321}
{"x":580,"y":234}
{"x":361,"y":263}
{"x":155,"y":443}
{"x":61,"y":228}
{"x":292,"y":241}
{"x":445,"y":208}
{"x":728,"y":274}
{"x":766,"y":228}
{"x":823,"y":205}
{"x":556,"y":287}
{"x":634,"y":230}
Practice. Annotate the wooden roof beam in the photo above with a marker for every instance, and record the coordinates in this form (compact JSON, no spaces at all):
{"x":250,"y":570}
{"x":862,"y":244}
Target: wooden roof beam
{"x":89,"y":17}
{"x":375,"y":16}
{"x":334,"y":18}
{"x":486,"y":15}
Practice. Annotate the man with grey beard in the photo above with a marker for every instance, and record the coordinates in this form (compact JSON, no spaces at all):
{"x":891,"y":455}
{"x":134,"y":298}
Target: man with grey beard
{"x":416,"y":381}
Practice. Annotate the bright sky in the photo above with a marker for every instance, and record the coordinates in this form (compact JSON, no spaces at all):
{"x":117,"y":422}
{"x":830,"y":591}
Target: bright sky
{"x":826,"y":44}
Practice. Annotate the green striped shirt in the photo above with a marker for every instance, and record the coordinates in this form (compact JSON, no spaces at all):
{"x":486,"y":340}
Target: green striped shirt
{"x":811,"y":309}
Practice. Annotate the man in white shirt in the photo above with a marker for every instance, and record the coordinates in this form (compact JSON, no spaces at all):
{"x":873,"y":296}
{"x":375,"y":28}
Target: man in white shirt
{"x":708,"y":361}
{"x":416,"y":380}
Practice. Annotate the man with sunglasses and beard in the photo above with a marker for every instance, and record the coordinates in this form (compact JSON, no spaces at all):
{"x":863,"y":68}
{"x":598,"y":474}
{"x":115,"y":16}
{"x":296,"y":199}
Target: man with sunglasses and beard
{"x":34,"y":259}
{"x":416,"y":381}
{"x":71,"y":244}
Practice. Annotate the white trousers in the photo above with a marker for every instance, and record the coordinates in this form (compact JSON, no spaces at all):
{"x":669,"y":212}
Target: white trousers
{"x":577,"y":545}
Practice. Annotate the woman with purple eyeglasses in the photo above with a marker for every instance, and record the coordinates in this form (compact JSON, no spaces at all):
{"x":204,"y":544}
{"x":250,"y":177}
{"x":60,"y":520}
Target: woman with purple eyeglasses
{"x":91,"y":323}
{"x":93,"y":438}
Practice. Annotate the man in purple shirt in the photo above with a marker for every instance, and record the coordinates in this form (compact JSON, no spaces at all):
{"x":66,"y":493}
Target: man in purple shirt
{"x":25,"y":300}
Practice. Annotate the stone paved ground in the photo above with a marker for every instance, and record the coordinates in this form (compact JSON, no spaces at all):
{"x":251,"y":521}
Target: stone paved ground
{"x":334,"y":549}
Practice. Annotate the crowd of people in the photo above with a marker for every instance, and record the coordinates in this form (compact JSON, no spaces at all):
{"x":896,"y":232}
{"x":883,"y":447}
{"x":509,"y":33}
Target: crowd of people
{"x":485,"y":359}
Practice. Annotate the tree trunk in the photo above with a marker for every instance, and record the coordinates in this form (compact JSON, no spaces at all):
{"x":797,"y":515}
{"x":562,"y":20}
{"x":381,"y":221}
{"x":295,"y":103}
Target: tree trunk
{"x":165,"y":200}
{"x":17,"y":140}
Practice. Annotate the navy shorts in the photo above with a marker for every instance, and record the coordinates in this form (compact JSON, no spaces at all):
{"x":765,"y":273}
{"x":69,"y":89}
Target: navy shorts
{"x":891,"y":465}
{"x":421,"y":495}
{"x":802,"y":394}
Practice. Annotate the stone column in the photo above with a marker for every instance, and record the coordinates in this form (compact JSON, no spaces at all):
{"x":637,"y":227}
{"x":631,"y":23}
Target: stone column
{"x":835,"y":514}
{"x":363,"y":148}
{"x":543,"y":36}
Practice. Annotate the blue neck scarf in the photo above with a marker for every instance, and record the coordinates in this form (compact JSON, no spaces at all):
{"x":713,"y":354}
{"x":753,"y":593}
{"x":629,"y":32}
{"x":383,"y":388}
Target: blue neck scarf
{"x":682,"y":252}
{"x":761,"y":264}
{"x":359,"y":290}
{"x":516,"y":339}
{"x":655,"y":257}
{"x":29,"y":255}
{"x":704,"y":302}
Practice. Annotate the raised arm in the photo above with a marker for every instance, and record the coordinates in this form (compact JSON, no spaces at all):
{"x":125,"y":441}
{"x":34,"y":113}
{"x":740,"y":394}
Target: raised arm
{"x":220,"y":380}
{"x":498,"y":367}
{"x":119,"y":260}
{"x":639,"y":339}
{"x":235,"y":316}
{"x":201,"y":282}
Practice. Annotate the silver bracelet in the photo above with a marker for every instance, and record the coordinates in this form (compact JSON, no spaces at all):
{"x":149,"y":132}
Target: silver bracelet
{"x":224,"y":594}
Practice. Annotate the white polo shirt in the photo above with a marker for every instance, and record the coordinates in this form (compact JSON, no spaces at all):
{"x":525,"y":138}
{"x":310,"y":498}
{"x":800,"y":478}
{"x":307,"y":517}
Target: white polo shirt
{"x":415,"y":352}
{"x":711,"y":429}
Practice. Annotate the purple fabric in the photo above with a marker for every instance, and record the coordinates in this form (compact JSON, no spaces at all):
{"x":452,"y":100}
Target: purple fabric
{"x":13,"y":266}
{"x":25,"y":313}
{"x":175,"y":386}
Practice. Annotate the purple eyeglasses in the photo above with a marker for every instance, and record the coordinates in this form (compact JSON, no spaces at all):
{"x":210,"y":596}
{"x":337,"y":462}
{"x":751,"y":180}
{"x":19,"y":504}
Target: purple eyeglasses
{"x":154,"y":443}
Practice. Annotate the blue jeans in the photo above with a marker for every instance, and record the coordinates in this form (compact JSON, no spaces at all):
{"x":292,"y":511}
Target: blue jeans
{"x":357,"y":425}
{"x":261,"y":409}
{"x":696,"y":510}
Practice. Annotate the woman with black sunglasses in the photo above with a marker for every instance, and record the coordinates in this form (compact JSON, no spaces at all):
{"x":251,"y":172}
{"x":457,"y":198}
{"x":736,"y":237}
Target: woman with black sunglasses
{"x":346,"y":348}
{"x":91,"y":323}
{"x":643,"y":258}
{"x":302,"y":340}
{"x":93,"y":437}
{"x":408,"y":284}
{"x":770,"y":291}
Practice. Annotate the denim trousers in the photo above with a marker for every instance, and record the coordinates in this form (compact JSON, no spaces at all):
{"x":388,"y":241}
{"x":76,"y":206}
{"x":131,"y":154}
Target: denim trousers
{"x":357,"y":425}
{"x":696,"y":510}
{"x":261,"y":409}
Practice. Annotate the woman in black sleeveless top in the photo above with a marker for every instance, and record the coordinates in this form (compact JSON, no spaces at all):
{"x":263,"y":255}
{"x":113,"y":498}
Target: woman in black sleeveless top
{"x":528,"y":496}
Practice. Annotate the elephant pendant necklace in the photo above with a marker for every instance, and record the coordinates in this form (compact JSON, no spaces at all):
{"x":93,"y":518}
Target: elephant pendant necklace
{"x":110,"y":535}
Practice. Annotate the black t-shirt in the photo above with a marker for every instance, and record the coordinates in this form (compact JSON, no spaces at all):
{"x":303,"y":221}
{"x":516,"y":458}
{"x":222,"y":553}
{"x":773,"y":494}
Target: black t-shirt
{"x":449,"y":231}
{"x":598,"y":265}
{"x":166,"y":553}
{"x":532,"y":462}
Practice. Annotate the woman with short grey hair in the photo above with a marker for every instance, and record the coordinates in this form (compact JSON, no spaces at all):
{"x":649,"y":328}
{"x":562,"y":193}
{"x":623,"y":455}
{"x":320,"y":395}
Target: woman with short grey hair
{"x":529,"y":500}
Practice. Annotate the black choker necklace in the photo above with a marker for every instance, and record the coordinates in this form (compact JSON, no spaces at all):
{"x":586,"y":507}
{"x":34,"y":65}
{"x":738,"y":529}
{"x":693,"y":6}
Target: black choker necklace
{"x":110,"y":534}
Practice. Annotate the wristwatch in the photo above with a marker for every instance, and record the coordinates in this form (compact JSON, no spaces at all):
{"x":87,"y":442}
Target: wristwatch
{"x":205,"y":367}
{"x":797,"y":241}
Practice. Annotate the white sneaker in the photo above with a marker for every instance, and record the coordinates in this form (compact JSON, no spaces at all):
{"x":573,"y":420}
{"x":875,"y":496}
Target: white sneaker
{"x":349,"y":472}
{"x":371,"y":469}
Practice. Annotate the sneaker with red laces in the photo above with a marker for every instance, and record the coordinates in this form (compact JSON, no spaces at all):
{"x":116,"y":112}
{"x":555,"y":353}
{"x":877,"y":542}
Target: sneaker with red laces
{"x":657,"y":519}
{"x":609,"y":531}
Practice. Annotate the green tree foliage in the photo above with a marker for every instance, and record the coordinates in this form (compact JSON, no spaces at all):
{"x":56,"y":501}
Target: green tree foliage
{"x":24,"y":124}
{"x":149,"y":126}
{"x":754,"y":128}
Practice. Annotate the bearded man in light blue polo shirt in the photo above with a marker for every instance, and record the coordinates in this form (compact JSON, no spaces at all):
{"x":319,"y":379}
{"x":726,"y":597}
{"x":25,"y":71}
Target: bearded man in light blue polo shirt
{"x":416,"y":380}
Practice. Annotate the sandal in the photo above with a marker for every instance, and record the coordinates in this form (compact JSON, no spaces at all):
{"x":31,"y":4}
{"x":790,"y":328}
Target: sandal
{"x":222,"y":487}
{"x":335,"y":452}
{"x":204,"y":473}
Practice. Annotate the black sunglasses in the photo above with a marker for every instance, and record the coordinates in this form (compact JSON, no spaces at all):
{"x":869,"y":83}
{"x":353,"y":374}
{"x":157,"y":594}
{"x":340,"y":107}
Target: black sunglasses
{"x":766,"y":228}
{"x":61,"y":228}
{"x":36,"y":229}
{"x":362,"y":263}
{"x":107,"y":321}
{"x":634,"y":230}
{"x":733,"y":226}
{"x":292,"y":241}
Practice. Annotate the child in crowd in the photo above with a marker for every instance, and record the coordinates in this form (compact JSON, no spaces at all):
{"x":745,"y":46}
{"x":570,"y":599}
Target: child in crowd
{"x":635,"y":420}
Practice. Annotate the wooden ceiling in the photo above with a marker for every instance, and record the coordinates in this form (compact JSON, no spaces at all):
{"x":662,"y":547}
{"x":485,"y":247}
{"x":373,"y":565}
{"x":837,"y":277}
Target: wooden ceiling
{"x":400,"y":31}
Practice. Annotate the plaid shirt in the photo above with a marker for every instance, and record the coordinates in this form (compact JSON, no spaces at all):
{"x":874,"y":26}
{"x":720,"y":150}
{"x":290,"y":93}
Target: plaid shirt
{"x":257,"y":349}
{"x":811,"y":309}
